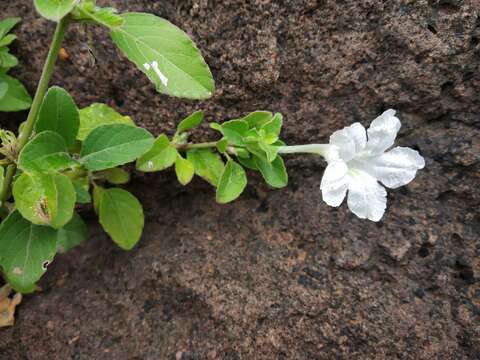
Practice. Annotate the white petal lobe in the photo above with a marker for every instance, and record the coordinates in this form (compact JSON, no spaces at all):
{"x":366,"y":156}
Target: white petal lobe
{"x":382,"y":132}
{"x":334,"y":183}
{"x":350,"y":140}
{"x":396,"y":167}
{"x":366,"y":197}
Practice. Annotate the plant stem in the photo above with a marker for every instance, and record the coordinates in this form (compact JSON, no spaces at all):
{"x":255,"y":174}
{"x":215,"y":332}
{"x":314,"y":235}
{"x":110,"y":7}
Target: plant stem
{"x":191,"y":146}
{"x":47,"y":73}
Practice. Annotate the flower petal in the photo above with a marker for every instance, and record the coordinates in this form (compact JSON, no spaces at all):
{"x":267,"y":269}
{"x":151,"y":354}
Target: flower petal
{"x":350,"y":140}
{"x":396,"y":167}
{"x":366,"y":197}
{"x":334,"y":183}
{"x":382,"y":132}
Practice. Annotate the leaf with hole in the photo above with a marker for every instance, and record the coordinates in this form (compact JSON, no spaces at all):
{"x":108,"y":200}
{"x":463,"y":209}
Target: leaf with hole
{"x":121,"y":216}
{"x":165,"y":54}
{"x":25,"y":251}
{"x":109,"y":146}
{"x":60,"y":114}
{"x":45,"y":199}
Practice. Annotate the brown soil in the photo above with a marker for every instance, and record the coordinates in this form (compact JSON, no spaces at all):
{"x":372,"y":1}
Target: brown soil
{"x":278,"y":274}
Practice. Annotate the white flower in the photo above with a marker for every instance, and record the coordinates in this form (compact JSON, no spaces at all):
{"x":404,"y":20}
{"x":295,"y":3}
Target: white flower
{"x":356,"y":165}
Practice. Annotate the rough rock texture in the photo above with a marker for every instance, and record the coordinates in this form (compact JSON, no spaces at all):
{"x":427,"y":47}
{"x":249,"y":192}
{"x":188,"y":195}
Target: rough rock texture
{"x":278,"y":274}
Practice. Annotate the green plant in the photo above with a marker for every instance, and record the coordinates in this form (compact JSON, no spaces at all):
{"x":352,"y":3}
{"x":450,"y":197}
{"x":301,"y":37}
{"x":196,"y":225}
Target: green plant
{"x":64,"y":157}
{"x":13,"y":96}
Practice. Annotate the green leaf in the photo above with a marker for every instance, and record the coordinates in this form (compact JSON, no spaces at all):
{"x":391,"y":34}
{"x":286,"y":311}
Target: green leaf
{"x":258,"y":118}
{"x":7,"y":40}
{"x":232,"y":183}
{"x":16,"y":97}
{"x":7,"y":60}
{"x":184,"y":170}
{"x":97,"y":115}
{"x":104,"y":16}
{"x":45,"y":152}
{"x":7,"y":24}
{"x":161,"y":156}
{"x":109,"y":146}
{"x":25,"y":251}
{"x":45,"y":199}
{"x":190,"y":122}
{"x":97,"y":197}
{"x":116,"y":176}
{"x":272,"y":129}
{"x":54,"y":9}
{"x":274,"y":173}
{"x":234,"y":131}
{"x":72,"y":234}
{"x":121,"y":216}
{"x":260,"y":149}
{"x":248,"y":162}
{"x":269,"y":150}
{"x":60,"y":114}
{"x":81,"y":190}
{"x":222,"y":145}
{"x":2,"y":176}
{"x":207,"y":164}
{"x":165,"y":54}
{"x":3,"y":89}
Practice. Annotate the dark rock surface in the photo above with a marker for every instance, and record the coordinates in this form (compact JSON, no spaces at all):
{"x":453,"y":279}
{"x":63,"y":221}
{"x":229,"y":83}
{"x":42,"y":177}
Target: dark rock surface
{"x":278,"y":274}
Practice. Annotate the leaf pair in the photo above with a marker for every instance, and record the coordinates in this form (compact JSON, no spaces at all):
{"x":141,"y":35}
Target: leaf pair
{"x":109,"y":139}
{"x":42,"y":194}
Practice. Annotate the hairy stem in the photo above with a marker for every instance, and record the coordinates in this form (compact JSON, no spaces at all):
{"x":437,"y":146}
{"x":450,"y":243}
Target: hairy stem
{"x":42,"y":88}
{"x":206,"y":145}
{"x":191,"y":146}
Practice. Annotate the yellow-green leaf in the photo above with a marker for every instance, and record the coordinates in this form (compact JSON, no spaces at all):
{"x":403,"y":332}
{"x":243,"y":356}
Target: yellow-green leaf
{"x":121,"y":216}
